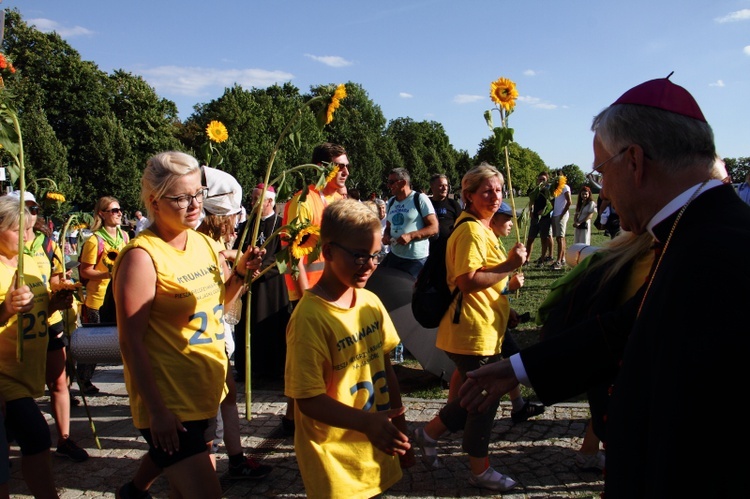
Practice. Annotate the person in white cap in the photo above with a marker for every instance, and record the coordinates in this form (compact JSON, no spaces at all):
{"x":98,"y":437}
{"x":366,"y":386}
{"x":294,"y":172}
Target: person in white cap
{"x":49,"y":259}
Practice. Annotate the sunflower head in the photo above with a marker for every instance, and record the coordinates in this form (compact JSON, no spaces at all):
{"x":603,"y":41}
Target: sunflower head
{"x":109,"y":257}
{"x":55,"y":196}
{"x":338,"y":95}
{"x":217,"y":132}
{"x":305,"y":242}
{"x":503,"y":93}
{"x":561,"y":181}
{"x":332,"y":174}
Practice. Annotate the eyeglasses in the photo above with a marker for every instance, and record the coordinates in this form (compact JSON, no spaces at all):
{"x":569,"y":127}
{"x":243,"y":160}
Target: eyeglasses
{"x":348,"y":166}
{"x":391,"y":182}
{"x":34,"y":210}
{"x":186,"y":200}
{"x":597,"y":168}
{"x":360,"y":259}
{"x":113,"y":211}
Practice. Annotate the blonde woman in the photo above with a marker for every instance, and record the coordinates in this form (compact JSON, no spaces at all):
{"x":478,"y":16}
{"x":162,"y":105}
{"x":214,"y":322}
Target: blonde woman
{"x":170,"y":292}
{"x":97,"y":256}
{"x":23,"y":381}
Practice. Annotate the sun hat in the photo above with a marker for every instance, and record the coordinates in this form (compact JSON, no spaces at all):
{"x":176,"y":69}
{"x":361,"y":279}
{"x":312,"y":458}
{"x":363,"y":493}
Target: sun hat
{"x":224,"y":193}
{"x":27,"y":196}
{"x":662,"y":94}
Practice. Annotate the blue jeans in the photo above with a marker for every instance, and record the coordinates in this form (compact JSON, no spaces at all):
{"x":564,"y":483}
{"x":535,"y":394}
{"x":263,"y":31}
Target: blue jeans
{"x":411,"y":267}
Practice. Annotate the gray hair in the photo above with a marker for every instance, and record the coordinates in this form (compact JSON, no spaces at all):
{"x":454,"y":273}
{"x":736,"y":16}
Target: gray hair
{"x":402,"y":174}
{"x":10,"y":214}
{"x":675,"y":141}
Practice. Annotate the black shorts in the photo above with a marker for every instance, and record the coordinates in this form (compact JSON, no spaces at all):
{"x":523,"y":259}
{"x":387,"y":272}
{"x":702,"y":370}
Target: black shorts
{"x":56,"y":341}
{"x":25,"y":424}
{"x":542,"y":228}
{"x":192,"y":442}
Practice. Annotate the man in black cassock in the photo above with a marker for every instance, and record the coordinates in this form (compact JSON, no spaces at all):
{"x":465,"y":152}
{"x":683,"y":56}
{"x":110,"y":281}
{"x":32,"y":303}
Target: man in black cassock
{"x":269,"y":307}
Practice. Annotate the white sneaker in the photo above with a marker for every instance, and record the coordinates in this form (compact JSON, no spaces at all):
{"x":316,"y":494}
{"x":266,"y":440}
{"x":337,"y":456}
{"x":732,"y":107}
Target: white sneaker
{"x":431,"y":461}
{"x":590,"y":462}
{"x":492,"y":480}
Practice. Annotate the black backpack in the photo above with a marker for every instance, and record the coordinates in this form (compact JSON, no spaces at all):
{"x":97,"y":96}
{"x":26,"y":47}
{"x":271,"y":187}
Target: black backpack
{"x":432,"y":296}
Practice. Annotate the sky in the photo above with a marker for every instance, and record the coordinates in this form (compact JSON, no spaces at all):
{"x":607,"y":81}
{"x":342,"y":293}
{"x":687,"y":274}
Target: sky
{"x":431,"y":60}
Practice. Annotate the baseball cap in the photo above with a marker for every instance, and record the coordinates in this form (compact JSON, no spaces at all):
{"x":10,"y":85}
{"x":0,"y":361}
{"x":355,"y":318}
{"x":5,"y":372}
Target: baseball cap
{"x":505,"y":209}
{"x":224,"y":193}
{"x":27,"y":196}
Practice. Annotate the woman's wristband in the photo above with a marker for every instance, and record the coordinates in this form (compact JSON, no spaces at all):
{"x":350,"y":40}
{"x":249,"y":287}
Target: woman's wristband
{"x":237,"y":273}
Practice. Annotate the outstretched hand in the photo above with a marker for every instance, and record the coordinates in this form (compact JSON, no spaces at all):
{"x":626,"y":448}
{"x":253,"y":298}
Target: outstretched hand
{"x":484,"y":386}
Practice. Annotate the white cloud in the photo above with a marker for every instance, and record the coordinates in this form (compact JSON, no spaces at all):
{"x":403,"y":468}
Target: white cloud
{"x":467,"y":99}
{"x":48,"y":26}
{"x":529,"y":72}
{"x":740,"y":15}
{"x":405,"y":95}
{"x":746,"y":50}
{"x":717,"y":83}
{"x":536,"y":102}
{"x":330,"y":60}
{"x":192,"y":81}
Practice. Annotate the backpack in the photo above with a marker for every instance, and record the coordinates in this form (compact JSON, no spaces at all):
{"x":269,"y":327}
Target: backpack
{"x":432,"y":296}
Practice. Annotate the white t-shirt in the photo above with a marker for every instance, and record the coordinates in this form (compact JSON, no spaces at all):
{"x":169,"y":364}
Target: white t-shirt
{"x":560,"y":201}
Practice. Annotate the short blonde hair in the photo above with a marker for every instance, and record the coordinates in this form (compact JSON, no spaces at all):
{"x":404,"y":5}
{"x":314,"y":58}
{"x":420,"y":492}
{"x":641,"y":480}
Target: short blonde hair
{"x":345,"y":217}
{"x":163,"y":170}
{"x":473,"y":178}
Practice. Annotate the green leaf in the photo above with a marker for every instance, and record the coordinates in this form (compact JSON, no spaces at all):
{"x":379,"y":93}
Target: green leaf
{"x":488,"y":118}
{"x":503,"y":136}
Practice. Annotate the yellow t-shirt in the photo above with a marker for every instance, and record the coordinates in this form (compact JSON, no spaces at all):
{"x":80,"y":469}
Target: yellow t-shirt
{"x":185,"y":336}
{"x":484,"y":314}
{"x":26,"y":378}
{"x":47,"y":268}
{"x":96,"y":288}
{"x":340,"y":353}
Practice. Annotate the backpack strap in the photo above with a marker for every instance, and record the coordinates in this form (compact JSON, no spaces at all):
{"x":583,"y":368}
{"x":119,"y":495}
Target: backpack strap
{"x":49,"y":250}
{"x":456,"y":291}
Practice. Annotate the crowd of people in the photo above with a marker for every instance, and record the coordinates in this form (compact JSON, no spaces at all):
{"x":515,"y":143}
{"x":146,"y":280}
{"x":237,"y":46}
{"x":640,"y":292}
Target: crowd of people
{"x":618,"y":327}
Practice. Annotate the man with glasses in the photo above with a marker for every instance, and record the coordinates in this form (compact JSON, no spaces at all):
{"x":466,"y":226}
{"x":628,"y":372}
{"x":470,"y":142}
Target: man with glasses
{"x":671,"y":342}
{"x":311,"y":210}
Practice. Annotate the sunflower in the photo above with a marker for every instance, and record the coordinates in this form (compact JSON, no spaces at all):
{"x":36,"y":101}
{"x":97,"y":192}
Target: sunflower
{"x":55,"y":196}
{"x":561,"y":180}
{"x":109,"y":257}
{"x":305,"y":242}
{"x":217,"y":132}
{"x":332,"y":174}
{"x":339,"y":94}
{"x":503,"y":93}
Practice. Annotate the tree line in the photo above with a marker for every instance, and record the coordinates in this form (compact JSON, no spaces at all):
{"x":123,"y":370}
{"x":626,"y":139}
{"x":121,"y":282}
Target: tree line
{"x":92,"y":132}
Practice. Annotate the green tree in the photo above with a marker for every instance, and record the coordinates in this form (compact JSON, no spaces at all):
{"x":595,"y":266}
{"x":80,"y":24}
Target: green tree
{"x":525,"y":164}
{"x":737,"y":168}
{"x":359,"y":126}
{"x":574,"y":177}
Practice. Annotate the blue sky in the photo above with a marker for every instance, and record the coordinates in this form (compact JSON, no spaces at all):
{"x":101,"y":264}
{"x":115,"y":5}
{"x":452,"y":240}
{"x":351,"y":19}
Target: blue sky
{"x":431,"y":59}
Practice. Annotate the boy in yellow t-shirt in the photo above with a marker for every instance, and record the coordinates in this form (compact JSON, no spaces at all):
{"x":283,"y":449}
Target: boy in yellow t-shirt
{"x":350,"y":426}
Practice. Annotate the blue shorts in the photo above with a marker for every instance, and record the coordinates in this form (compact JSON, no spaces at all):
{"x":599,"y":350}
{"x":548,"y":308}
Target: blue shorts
{"x":192,"y":442}
{"x":25,"y":424}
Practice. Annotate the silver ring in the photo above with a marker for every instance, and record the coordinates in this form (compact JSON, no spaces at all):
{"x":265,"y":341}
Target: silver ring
{"x":485,"y":393}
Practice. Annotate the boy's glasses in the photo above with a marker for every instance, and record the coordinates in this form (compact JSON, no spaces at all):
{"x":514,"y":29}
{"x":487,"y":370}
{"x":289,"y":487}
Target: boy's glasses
{"x":186,"y":200}
{"x":362,"y":259}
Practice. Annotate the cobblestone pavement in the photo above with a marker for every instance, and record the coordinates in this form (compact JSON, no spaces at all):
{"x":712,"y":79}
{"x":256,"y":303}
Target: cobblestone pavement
{"x":539,"y":453}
